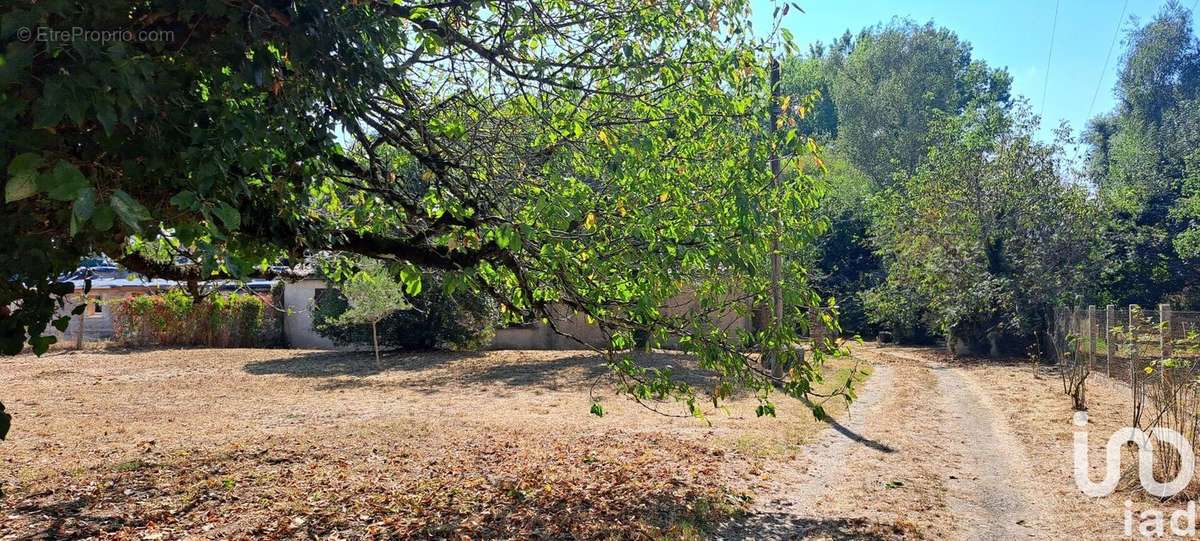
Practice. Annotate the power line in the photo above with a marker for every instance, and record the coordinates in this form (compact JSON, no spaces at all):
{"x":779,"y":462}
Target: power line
{"x":1049,"y":55}
{"x":1107,"y":57}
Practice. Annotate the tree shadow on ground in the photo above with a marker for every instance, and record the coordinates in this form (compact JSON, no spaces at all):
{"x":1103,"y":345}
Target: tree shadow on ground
{"x":326,"y":364}
{"x":67,"y":519}
{"x":771,"y":525}
{"x":250,"y":504}
{"x":855,"y":436}
{"x":115,"y":513}
{"x":859,"y":438}
{"x":428,"y":370}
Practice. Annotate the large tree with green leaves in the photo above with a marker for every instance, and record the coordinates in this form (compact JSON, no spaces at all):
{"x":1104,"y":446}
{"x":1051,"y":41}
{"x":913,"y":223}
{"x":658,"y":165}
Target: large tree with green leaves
{"x":1143,"y":159}
{"x":985,"y":237}
{"x":601,"y":156}
{"x":875,"y":96}
{"x":891,"y":81}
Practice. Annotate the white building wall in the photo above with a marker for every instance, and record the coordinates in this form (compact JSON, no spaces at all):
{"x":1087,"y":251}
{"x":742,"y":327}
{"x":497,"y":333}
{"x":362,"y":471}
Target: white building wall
{"x":97,"y":319}
{"x":298,"y":321}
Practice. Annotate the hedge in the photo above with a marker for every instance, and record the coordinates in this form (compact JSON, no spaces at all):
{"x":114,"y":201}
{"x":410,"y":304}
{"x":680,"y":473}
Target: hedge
{"x":175,"y":319}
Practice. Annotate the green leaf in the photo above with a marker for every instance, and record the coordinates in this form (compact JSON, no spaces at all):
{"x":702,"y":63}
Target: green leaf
{"x":47,"y":114}
{"x":77,"y":111}
{"x":5,"y":422}
{"x":597,"y":409}
{"x":19,"y":188}
{"x":102,"y":220}
{"x":106,"y":115}
{"x":41,"y":344}
{"x":83,"y":209}
{"x":185,"y":200}
{"x":412,"y":280}
{"x":64,"y":183}
{"x":63,"y":322}
{"x":128,"y":209}
{"x":228,"y":215}
{"x":22,"y":177}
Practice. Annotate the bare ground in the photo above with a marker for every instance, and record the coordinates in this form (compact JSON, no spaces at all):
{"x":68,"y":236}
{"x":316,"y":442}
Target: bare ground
{"x":293,"y":444}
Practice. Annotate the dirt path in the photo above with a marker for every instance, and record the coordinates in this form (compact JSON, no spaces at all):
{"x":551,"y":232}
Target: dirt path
{"x":925,"y":453}
{"x":989,"y":491}
{"x":783,"y":516}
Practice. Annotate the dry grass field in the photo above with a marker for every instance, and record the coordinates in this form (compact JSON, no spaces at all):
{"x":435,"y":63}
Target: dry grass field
{"x":301,"y":444}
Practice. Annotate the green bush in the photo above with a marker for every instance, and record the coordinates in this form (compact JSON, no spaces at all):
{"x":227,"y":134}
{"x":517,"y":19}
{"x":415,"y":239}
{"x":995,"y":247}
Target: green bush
{"x":175,"y":319}
{"x":437,"y":320}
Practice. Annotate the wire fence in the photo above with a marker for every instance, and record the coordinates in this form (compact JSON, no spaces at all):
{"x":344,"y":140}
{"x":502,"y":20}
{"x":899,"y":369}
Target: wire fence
{"x":1122,"y":341}
{"x":1154,"y":351}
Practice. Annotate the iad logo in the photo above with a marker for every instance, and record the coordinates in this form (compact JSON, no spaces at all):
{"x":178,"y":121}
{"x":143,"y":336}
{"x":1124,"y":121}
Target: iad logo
{"x":1112,"y":460}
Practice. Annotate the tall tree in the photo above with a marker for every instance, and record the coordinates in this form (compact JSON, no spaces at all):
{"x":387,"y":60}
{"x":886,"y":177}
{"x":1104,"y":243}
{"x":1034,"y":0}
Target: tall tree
{"x":890,"y":83}
{"x":1139,"y":160}
{"x":984,"y":236}
{"x":874,"y":98}
{"x":601,"y":156}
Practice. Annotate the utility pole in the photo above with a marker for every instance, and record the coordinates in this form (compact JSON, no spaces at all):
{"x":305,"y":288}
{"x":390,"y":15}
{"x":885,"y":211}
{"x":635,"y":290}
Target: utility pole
{"x":776,"y":174}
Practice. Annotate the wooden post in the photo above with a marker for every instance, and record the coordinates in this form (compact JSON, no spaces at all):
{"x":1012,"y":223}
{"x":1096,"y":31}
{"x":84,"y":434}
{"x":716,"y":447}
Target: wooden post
{"x":82,"y":319}
{"x":1164,"y":334}
{"x":1109,"y":316}
{"x":1091,"y":333}
{"x":1133,"y":346}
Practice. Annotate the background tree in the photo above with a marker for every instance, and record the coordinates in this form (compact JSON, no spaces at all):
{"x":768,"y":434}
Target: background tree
{"x":1139,"y":158}
{"x":891,"y":81}
{"x":460,"y":319}
{"x":985,"y":237}
{"x":876,"y":95}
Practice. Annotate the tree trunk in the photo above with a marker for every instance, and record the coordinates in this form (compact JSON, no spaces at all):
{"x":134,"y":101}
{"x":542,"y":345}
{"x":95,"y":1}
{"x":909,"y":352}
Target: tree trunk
{"x":79,"y":331}
{"x":771,"y":359}
{"x":375,"y":340}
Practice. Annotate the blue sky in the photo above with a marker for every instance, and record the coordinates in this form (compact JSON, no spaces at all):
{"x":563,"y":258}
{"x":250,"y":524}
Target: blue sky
{"x":1013,"y":34}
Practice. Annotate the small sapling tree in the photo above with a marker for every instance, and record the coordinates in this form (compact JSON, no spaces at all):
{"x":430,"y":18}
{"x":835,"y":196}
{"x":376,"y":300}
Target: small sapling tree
{"x":374,"y":294}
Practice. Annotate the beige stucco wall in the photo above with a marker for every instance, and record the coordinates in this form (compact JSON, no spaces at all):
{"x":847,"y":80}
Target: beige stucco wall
{"x":298,"y":322}
{"x":541,"y":336}
{"x":97,"y":319}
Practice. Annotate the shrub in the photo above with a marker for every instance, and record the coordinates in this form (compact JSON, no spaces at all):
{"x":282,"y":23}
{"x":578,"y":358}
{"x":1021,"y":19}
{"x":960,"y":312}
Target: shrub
{"x":175,"y":319}
{"x":437,"y":320}
{"x":372,"y":294}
